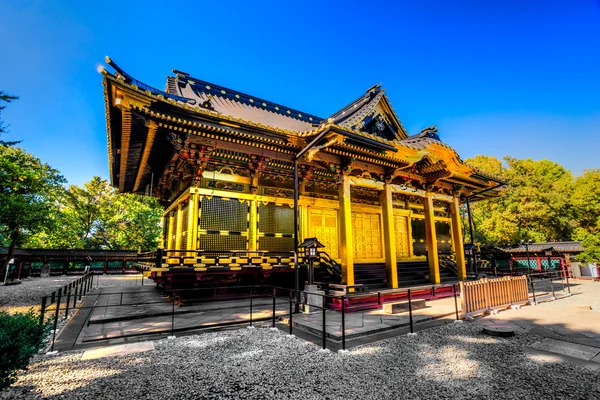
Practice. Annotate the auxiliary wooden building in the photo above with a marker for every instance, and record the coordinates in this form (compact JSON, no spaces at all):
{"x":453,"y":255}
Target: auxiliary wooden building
{"x":384,"y":203}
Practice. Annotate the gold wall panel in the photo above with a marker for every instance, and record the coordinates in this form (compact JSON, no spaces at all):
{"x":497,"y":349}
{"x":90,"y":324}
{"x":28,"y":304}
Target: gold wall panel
{"x":323,"y":224}
{"x":402,"y":241}
{"x":366,"y":232}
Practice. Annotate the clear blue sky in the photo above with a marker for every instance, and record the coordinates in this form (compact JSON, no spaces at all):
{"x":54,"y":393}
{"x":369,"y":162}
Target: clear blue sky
{"x":496,"y":77}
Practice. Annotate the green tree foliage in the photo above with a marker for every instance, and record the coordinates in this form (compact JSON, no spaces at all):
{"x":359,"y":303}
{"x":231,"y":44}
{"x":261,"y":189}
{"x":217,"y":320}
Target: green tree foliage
{"x":20,"y":338}
{"x":28,"y":193}
{"x":5,"y":98}
{"x":536,"y":206}
{"x":95,"y":216}
{"x":586,"y":207}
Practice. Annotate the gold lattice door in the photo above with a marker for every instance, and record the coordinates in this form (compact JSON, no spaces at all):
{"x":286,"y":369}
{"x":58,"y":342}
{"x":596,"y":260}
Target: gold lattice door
{"x":322,"y":224}
{"x":401,"y":231}
{"x":366,"y":231}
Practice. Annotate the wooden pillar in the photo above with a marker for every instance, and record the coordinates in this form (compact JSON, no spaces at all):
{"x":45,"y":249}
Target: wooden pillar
{"x":411,"y":250}
{"x":178,"y":228}
{"x":457,"y":240}
{"x":194,"y":227}
{"x":190,"y":223}
{"x":346,"y":240}
{"x":389,"y":234}
{"x":432,"y":249}
{"x":253,"y":225}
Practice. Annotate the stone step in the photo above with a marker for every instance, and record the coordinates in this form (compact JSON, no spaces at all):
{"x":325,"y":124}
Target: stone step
{"x":402,"y":306}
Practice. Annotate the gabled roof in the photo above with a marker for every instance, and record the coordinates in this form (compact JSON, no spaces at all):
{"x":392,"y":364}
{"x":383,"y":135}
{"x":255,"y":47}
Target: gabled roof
{"x":373,"y":104}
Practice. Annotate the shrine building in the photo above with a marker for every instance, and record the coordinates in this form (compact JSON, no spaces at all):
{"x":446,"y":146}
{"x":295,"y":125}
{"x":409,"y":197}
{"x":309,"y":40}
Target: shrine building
{"x":385,"y":204}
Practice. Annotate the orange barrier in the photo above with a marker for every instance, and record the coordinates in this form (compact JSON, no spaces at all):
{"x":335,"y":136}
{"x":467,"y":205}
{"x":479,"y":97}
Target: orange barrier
{"x":486,"y":294}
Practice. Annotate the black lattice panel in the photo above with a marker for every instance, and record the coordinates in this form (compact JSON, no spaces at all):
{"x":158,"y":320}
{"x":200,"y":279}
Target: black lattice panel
{"x":275,"y":219}
{"x":276,"y":243}
{"x":217,"y":214}
{"x":221,"y":242}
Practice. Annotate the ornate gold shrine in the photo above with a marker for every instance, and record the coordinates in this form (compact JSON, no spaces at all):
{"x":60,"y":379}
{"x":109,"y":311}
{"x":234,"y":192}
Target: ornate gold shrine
{"x":221,"y":161}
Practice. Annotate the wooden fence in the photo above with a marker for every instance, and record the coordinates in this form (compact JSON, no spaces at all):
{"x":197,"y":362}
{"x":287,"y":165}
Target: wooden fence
{"x":486,"y":294}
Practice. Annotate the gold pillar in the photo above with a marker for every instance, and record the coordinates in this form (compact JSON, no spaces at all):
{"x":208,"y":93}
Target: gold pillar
{"x":389,"y":234}
{"x":178,"y":228}
{"x":303,"y":223}
{"x":457,"y":240}
{"x":432,"y":249}
{"x":194,"y":227}
{"x":346,"y":241}
{"x":253,"y":218}
{"x":253,"y":226}
{"x":411,"y":251}
{"x":190,"y":224}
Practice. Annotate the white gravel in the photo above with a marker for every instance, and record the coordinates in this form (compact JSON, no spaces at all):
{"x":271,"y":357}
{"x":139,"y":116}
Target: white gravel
{"x":452,"y":362}
{"x":30,"y":292}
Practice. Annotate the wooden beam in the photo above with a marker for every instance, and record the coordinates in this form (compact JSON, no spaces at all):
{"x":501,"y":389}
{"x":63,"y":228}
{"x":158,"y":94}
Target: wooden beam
{"x":125,"y":139}
{"x":152,"y":128}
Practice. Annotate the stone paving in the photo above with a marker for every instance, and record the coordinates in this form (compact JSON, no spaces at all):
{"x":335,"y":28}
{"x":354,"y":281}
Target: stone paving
{"x":373,"y":321}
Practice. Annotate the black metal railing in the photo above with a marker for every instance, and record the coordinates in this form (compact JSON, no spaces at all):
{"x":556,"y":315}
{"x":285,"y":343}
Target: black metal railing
{"x":277,"y":294}
{"x":76,"y":289}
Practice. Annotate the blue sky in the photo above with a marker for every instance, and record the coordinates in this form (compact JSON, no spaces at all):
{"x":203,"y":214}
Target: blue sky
{"x":497,"y":77}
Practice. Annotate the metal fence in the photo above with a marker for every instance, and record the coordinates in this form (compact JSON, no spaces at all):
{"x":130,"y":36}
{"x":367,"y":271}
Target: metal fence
{"x":74,"y":289}
{"x":278,"y":295}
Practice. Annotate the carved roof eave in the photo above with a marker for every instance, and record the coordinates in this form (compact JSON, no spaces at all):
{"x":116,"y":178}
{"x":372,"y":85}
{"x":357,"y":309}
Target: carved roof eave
{"x":188,"y":109}
{"x":196,"y":113}
{"x":108,"y":127}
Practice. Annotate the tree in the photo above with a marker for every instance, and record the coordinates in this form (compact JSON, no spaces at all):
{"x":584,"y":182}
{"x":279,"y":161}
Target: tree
{"x":586,"y":206}
{"x":536,"y":205}
{"x":3,"y":128}
{"x":95,"y":216}
{"x":586,"y":200}
{"x":28,"y":193}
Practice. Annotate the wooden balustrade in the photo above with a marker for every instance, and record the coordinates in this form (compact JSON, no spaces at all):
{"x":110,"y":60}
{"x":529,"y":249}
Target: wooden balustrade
{"x":487,"y":294}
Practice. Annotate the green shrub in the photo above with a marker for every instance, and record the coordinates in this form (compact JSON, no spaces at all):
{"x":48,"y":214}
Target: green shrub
{"x":20,"y":338}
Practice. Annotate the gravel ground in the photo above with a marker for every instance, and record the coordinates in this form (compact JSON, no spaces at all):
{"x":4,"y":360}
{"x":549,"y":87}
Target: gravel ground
{"x":451,"y":362}
{"x":19,"y":298}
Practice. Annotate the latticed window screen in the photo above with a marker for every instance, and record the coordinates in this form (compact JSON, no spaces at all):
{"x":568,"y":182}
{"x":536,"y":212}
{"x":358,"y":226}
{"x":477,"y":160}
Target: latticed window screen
{"x":218,"y":214}
{"x":275,"y":227}
{"x":222,"y":224}
{"x":173,"y":230}
{"x":366,"y":232}
{"x":184,"y":226}
{"x":442,"y":233}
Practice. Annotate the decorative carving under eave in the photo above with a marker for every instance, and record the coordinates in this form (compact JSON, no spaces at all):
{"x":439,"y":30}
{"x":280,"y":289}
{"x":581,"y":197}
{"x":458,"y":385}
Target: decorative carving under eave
{"x":222,"y":185}
{"x":363,"y":192}
{"x":277,"y":192}
{"x":256,"y":165}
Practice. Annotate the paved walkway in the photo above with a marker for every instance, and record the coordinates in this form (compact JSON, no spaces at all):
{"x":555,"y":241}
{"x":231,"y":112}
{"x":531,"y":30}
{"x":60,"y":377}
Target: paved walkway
{"x":373,"y":321}
{"x":568,"y":327}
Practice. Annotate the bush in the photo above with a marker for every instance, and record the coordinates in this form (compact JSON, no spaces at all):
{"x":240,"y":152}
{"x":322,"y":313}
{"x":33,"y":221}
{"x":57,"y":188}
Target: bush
{"x":20,"y":338}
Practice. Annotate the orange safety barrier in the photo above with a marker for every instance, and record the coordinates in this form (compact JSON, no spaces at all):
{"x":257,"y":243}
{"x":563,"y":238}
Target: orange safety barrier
{"x":487,"y":294}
